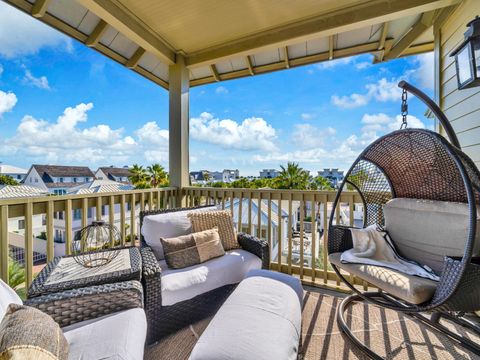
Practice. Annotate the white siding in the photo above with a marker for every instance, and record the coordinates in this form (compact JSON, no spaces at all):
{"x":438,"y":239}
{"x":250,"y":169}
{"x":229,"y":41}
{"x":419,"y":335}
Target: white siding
{"x":462,"y":107}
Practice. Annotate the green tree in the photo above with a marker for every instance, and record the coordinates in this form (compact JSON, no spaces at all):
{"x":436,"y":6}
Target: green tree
{"x":157,"y":175}
{"x":16,"y":277}
{"x":139,"y":177}
{"x":8,"y":180}
{"x":292,"y":177}
{"x":320,"y":183}
{"x":206,"y":176}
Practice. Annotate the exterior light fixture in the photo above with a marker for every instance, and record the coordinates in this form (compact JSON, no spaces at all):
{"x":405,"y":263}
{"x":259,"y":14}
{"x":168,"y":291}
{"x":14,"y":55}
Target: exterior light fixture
{"x":467,"y":57}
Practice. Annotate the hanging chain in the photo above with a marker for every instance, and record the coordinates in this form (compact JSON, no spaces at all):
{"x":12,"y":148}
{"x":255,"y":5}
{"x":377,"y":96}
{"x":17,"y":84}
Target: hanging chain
{"x":404,"y":109}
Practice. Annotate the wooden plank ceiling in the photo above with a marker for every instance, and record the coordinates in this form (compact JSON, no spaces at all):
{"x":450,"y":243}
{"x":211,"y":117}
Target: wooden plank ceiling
{"x":224,"y":40}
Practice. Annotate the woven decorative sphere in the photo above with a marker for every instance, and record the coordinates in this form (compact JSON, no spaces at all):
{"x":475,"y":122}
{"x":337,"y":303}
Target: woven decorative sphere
{"x":95,"y":239}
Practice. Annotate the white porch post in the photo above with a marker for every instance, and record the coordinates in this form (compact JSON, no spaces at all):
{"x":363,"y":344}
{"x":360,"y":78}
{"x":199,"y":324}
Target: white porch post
{"x":179,"y":88}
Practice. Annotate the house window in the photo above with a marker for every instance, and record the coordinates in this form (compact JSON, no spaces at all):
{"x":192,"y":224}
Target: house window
{"x":21,"y":224}
{"x":77,"y":214}
{"x":19,"y":177}
{"x":74,"y":180}
{"x":89,"y":211}
{"x":104,"y":210}
{"x":61,"y":180}
{"x":128,"y":206}
{"x":44,"y":220}
{"x":31,"y":179}
{"x":36,"y":180}
{"x":87,"y":179}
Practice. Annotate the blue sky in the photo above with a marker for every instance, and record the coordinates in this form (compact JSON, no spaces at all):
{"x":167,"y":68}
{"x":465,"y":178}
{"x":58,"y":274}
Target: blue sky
{"x":63,"y":103}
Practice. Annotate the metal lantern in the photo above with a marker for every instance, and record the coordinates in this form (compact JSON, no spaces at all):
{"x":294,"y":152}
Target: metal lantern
{"x":467,"y":57}
{"x":95,"y":239}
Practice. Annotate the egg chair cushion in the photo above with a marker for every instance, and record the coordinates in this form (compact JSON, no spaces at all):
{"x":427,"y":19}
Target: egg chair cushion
{"x":426,"y":231}
{"x":412,"y":289}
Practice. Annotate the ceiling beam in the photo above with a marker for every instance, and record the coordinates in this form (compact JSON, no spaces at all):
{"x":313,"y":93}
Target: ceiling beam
{"x":96,"y":34}
{"x":286,"y":57}
{"x":39,"y":8}
{"x":383,"y":36}
{"x":248,"y":59}
{"x":331,"y":41}
{"x":423,"y":24}
{"x":134,"y":60}
{"x":115,"y":14}
{"x":351,"y":18}
{"x":215,"y":74}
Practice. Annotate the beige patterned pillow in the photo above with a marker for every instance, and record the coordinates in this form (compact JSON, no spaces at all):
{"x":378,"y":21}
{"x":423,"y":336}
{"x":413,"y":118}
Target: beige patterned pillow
{"x":221,"y":219}
{"x":192,"y":249}
{"x":28,"y":333}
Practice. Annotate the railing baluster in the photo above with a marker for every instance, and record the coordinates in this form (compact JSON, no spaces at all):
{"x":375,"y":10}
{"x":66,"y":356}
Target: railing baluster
{"x":50,"y":240}
{"x":325,"y":240}
{"x":259,"y":215}
{"x":28,"y":254}
{"x":150,"y":200}
{"x":68,"y":226}
{"x":240,"y":205}
{"x":279,"y":233}
{"x":223,"y":199}
{"x":250,"y":212}
{"x":84,"y":212}
{"x":4,"y":243}
{"x":122,"y":219}
{"x":337,"y":222}
{"x":98,"y":208}
{"x":290,"y":226}
{"x":111,"y":217}
{"x":314,"y":237}
{"x":142,"y":201}
{"x":133,"y":221}
{"x":302,"y":233}
{"x":269,"y":223}
{"x":231,"y":205}
{"x":351,"y":222}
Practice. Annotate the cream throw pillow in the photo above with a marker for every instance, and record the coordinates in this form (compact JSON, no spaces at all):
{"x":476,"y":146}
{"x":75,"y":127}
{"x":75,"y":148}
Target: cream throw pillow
{"x":221,"y":219}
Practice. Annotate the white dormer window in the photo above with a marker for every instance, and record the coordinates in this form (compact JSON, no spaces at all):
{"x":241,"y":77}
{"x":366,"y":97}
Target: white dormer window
{"x":61,"y":179}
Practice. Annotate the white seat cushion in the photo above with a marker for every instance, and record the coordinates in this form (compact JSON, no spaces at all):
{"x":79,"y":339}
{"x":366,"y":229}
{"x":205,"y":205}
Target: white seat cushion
{"x":119,"y":336}
{"x":183,"y":284}
{"x":261,"y":320}
{"x":7,"y":296}
{"x":167,"y":225}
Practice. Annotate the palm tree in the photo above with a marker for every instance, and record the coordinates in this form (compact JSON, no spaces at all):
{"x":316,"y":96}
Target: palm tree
{"x":139,"y":177}
{"x":292,"y":177}
{"x":320,"y":183}
{"x":16,"y":277}
{"x":157,"y":174}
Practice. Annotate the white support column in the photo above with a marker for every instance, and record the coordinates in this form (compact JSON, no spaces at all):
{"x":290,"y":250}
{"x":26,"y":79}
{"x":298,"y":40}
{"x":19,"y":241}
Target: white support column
{"x":179,"y":88}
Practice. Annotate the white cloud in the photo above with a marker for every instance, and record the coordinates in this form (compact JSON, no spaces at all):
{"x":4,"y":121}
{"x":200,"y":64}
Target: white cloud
{"x":330,"y":64}
{"x":307,"y":136}
{"x":40,"y":82}
{"x":7,"y":102}
{"x":383,"y":90}
{"x":253,"y":133}
{"x":221,"y":90}
{"x":66,"y":141}
{"x":307,"y":116}
{"x":363,"y":65}
{"x":21,"y":34}
{"x":425,"y":73}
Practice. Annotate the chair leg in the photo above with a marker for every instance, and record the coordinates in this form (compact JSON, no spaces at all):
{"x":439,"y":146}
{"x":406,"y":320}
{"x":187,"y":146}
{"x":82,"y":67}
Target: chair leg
{"x":433,"y":321}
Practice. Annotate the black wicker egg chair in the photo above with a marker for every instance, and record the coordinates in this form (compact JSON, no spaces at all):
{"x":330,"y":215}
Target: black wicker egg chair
{"x":424,"y":167}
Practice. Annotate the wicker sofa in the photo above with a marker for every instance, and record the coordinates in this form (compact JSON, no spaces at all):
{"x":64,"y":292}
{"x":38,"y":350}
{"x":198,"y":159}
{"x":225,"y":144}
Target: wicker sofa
{"x":167,"y":316}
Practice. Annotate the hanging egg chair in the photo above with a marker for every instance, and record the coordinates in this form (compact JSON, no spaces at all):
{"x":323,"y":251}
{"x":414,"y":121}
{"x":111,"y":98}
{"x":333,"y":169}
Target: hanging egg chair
{"x":425,"y":193}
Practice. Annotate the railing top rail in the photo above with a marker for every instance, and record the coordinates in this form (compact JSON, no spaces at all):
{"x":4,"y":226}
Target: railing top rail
{"x":263,"y":190}
{"x":55,"y":198}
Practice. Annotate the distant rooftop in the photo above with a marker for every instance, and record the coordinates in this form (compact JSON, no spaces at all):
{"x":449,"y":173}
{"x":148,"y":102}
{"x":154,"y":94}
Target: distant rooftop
{"x":47,"y":172}
{"x":19,"y":191}
{"x":10,"y":169}
{"x":100,"y":186}
{"x":116,"y":171}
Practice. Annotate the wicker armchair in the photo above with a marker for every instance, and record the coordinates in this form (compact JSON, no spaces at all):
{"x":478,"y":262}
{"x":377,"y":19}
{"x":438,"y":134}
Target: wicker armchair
{"x":77,"y":305}
{"x":165,"y":320}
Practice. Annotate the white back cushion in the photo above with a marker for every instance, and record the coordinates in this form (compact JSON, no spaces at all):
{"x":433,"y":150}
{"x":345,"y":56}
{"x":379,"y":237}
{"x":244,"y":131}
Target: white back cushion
{"x":7,"y":296}
{"x":167,"y":225}
{"x":426,"y":231}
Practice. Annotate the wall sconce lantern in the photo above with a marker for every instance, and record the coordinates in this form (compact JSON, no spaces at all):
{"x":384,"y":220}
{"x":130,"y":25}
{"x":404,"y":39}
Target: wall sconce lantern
{"x":467,"y":57}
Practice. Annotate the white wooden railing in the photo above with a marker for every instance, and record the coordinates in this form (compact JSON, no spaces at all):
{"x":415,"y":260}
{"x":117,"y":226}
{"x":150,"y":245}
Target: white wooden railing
{"x":294,"y":222}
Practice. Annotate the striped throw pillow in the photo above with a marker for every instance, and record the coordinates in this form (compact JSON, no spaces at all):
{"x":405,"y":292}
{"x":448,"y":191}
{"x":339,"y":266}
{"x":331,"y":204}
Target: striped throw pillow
{"x":192,"y":249}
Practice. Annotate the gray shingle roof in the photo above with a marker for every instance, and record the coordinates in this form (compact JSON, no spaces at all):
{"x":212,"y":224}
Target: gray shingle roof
{"x":48,"y":171}
{"x":117,"y":172}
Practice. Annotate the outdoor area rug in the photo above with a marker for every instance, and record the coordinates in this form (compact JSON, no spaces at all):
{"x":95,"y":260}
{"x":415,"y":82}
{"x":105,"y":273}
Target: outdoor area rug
{"x":390,"y":334}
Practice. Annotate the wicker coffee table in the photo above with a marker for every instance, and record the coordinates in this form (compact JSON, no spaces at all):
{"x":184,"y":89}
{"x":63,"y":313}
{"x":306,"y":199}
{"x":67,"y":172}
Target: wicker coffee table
{"x":64,"y":273}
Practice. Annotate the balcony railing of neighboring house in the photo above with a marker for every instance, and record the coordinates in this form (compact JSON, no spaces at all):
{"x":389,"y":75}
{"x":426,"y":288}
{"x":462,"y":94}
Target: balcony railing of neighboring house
{"x":294,"y":222}
{"x":49,"y":205}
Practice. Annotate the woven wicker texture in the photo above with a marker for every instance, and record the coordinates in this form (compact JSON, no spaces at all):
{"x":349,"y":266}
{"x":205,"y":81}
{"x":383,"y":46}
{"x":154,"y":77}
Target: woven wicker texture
{"x":418,"y":164}
{"x":75,"y":305}
{"x":222,"y":220}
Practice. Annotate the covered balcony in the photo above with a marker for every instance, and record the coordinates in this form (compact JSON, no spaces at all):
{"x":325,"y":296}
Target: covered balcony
{"x":229,"y":40}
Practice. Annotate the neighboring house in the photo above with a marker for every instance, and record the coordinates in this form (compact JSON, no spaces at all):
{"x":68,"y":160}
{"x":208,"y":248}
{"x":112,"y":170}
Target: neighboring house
{"x":14,"y":172}
{"x":230,"y":175}
{"x":114,"y":174}
{"x":57,"y":179}
{"x":269,"y":173}
{"x":335,"y":176}
{"x":92,"y":187}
